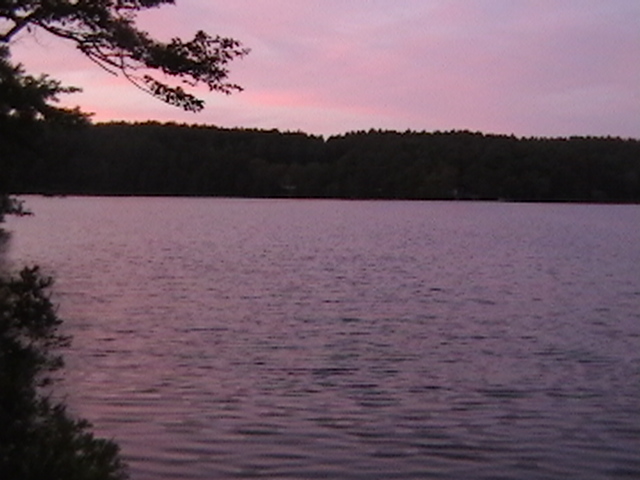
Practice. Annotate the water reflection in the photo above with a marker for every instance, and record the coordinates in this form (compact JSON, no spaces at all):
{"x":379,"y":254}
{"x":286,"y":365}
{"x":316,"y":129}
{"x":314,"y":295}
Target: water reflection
{"x":293,"y":339}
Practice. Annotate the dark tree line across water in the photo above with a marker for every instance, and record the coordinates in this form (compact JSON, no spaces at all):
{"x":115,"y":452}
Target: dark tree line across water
{"x":170,"y":159}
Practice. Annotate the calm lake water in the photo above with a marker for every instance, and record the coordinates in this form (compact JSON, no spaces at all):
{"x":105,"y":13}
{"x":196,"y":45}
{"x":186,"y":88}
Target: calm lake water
{"x":224,"y":338}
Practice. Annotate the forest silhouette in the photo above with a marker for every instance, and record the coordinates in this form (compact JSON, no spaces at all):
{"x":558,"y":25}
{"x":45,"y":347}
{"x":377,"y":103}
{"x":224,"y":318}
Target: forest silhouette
{"x":170,"y":159}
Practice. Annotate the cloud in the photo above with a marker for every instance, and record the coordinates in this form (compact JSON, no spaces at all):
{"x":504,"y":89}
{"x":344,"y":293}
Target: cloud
{"x":543,"y":67}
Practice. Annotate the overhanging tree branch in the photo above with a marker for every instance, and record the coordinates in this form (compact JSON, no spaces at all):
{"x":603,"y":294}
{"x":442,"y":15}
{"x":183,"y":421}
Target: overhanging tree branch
{"x":19,"y":24}
{"x":105,"y":31}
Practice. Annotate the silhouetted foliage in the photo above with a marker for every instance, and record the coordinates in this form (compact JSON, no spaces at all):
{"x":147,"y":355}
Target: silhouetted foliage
{"x":170,"y":159}
{"x":106,"y":32}
{"x":38,"y":439}
{"x":25,"y":103}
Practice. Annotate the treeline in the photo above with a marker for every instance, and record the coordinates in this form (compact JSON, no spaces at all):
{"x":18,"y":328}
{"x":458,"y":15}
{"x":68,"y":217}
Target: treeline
{"x":170,"y":159}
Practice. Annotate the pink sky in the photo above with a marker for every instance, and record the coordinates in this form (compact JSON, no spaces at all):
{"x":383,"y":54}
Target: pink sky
{"x":528,"y":67}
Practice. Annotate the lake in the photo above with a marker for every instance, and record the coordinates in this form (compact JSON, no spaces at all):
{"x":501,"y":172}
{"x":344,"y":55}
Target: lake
{"x":302,"y":339}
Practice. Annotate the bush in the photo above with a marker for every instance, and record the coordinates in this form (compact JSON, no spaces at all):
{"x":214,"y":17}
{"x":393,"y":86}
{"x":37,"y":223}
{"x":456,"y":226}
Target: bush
{"x":38,"y":438}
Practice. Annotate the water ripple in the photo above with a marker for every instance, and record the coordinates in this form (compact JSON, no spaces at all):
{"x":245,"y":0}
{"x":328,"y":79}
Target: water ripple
{"x":219,"y":338}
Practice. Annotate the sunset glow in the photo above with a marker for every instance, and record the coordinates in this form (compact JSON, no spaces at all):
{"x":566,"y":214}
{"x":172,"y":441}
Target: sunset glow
{"x":532,"y":68}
